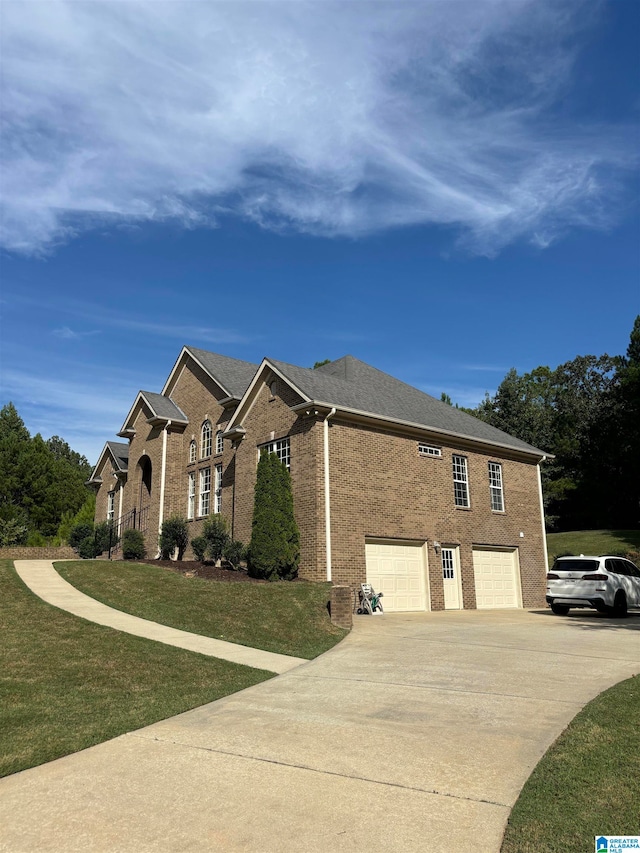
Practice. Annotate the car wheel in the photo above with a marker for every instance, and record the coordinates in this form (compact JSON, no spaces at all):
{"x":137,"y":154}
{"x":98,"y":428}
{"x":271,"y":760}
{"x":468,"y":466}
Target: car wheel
{"x":620,"y":605}
{"x":559,"y":609}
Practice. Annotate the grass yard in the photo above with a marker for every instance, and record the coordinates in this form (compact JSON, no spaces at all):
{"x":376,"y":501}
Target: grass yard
{"x":288,"y":618}
{"x":66,"y":684}
{"x":593,"y":542}
{"x":587,"y":784}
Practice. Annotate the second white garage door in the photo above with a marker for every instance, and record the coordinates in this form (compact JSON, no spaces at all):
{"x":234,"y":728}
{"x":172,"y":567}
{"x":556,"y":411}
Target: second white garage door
{"x":397,"y":570}
{"x":496,"y":576}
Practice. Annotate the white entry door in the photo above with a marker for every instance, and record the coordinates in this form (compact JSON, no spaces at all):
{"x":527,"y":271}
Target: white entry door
{"x":451,"y":579}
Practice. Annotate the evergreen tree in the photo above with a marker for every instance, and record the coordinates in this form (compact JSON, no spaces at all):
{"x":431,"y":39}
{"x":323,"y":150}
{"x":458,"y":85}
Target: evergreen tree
{"x":274,"y":551}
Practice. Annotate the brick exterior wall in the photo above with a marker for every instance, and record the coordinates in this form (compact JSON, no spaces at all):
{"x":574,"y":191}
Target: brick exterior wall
{"x":269,"y":419}
{"x":380,"y":487}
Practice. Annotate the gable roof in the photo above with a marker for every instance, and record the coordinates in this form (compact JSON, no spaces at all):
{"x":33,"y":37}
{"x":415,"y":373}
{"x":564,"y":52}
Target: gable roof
{"x":231,"y":374}
{"x":161,"y":409}
{"x":119,"y":452}
{"x":354,"y":387}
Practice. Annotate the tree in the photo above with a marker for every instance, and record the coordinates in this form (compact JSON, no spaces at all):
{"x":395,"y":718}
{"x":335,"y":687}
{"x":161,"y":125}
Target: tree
{"x":321,"y":363}
{"x":40,"y":480}
{"x":584,"y":413}
{"x":274,"y":551}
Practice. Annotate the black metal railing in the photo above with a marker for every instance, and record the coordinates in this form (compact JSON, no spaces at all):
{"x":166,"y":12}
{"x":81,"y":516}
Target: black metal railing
{"x":135,"y":519}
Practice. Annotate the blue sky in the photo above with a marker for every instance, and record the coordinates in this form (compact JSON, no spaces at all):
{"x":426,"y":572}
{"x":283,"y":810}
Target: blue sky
{"x":444,"y":190}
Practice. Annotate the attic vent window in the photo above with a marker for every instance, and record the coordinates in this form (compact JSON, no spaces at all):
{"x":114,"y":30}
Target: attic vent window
{"x":429,"y":450}
{"x":273,"y":388}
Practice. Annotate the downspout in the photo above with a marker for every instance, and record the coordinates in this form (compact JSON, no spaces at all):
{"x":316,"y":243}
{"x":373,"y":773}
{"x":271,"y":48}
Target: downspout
{"x":163,"y":476}
{"x":327,"y":494}
{"x":544,"y":531}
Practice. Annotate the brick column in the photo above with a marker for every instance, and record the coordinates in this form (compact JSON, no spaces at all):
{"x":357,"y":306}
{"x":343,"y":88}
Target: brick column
{"x":342,"y":606}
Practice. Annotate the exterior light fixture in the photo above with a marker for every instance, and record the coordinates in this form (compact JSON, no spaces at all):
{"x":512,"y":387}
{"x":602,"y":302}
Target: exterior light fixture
{"x":436,"y":547}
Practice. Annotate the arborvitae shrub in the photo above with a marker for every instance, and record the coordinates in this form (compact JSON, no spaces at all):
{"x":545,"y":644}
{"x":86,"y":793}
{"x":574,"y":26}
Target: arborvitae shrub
{"x":274,"y":551}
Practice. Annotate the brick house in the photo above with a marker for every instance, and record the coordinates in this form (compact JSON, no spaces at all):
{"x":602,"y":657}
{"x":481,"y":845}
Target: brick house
{"x":434,"y":507}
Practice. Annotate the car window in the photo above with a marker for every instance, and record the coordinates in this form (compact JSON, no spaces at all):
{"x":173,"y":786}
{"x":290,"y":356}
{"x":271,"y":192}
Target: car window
{"x":612,"y":566}
{"x":623,"y":567}
{"x":632,"y":570}
{"x":575,"y":565}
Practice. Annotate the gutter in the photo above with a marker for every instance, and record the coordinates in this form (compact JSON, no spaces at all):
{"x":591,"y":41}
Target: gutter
{"x":424,"y":429}
{"x":163,"y":476}
{"x":544,"y":531}
{"x":327,"y":491}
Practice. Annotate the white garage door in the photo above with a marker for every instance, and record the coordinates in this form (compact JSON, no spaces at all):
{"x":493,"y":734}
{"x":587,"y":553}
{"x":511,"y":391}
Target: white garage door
{"x":496,"y":575}
{"x":398,"y":571}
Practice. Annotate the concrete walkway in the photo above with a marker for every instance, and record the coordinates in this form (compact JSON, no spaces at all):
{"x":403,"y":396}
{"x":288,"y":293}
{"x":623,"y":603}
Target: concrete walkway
{"x":416,"y":733}
{"x":42,"y":579}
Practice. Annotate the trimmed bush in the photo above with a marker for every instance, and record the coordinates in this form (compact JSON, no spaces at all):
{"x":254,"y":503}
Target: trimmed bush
{"x":215,"y":532}
{"x":105,"y":536}
{"x":235,"y":552}
{"x":79,"y":533}
{"x":274,"y":551}
{"x":199,"y":547}
{"x":174,"y":535}
{"x":87,"y":548}
{"x":133,"y":545}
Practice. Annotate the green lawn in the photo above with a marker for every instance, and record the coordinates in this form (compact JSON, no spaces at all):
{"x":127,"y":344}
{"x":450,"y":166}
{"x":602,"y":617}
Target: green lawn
{"x":587,"y":784}
{"x":289,"y":618}
{"x":66,"y":684}
{"x":593,"y":542}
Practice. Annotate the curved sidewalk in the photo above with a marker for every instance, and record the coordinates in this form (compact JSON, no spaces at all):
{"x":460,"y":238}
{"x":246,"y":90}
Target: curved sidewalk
{"x":42,"y":579}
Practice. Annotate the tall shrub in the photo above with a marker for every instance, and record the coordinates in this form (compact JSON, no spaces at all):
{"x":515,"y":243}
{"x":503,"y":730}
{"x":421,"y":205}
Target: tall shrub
{"x":174,"y":535}
{"x":217,"y":536}
{"x":274,"y":551}
{"x":133,"y":544}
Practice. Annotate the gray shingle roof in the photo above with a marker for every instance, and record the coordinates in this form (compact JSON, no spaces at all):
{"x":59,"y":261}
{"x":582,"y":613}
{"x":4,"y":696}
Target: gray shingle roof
{"x":233,"y":375}
{"x":163,"y":407}
{"x":352,"y":384}
{"x":120,"y":452}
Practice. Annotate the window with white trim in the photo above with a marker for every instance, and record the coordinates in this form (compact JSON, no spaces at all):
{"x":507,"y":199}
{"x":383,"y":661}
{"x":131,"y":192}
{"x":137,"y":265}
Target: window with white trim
{"x":193,"y":450}
{"x":460,"y":481}
{"x":219,"y":442}
{"x":217,"y":495}
{"x":205,"y":440}
{"x":191,"y":495}
{"x":448,"y":565}
{"x":281,"y":449}
{"x":429,"y":450}
{"x":204,"y":497}
{"x":495,"y":487}
{"x":111,"y":506}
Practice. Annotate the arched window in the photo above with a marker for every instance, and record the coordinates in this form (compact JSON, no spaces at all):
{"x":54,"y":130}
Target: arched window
{"x":219,"y":442}
{"x":192,"y":451}
{"x":205,"y":440}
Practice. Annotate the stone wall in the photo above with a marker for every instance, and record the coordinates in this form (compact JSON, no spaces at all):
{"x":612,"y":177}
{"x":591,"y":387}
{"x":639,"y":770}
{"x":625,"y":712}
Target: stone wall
{"x":64,"y":552}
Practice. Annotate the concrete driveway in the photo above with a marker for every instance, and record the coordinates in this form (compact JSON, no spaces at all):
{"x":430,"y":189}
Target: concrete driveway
{"x":416,"y":733}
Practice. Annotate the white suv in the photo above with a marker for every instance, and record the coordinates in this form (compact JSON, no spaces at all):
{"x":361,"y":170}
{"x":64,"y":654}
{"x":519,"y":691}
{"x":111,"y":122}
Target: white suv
{"x":610,"y":584}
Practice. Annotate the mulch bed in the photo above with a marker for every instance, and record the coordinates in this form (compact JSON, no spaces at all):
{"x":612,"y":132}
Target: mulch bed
{"x":206,"y":570}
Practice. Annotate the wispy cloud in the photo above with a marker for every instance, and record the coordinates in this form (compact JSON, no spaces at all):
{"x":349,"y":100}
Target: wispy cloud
{"x":67,"y":334}
{"x":85,"y":413}
{"x":329,"y":118}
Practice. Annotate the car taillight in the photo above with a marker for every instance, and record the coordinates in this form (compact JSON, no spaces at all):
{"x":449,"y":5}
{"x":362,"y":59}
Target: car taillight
{"x":552,"y":577}
{"x":594,"y":578}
